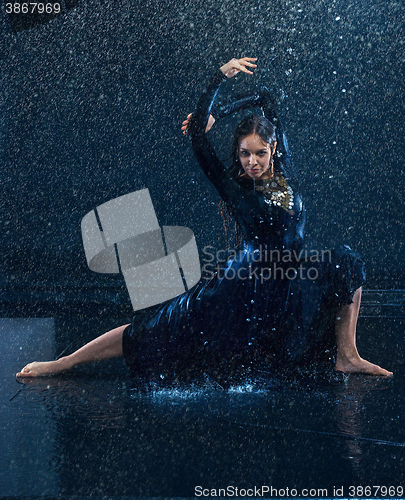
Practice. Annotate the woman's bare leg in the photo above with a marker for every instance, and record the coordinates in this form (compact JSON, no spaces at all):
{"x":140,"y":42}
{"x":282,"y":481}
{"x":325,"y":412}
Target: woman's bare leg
{"x":348,"y":359}
{"x":106,"y":346}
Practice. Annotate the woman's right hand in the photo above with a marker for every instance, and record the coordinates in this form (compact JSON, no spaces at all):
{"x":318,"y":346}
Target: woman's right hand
{"x":211,"y":121}
{"x":234,"y":66}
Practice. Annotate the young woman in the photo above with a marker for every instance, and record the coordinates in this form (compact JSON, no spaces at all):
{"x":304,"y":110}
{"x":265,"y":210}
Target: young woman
{"x":273,"y":302}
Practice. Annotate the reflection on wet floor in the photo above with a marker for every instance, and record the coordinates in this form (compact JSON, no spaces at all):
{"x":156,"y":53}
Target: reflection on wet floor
{"x":94,"y":433}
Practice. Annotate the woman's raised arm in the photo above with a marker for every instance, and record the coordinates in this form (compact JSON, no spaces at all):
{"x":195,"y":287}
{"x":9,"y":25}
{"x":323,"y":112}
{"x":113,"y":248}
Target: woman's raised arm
{"x":197,"y":124}
{"x":230,"y":69}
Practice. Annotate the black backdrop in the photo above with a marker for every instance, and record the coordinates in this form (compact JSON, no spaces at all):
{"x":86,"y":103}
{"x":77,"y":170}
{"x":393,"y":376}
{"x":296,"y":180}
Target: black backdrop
{"x":91,"y":106}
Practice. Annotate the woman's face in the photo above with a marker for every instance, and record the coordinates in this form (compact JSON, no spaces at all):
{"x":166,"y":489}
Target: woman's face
{"x":255,"y":156}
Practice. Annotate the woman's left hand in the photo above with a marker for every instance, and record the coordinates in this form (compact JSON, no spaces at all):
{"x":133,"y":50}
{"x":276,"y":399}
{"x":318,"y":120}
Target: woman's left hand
{"x":234,"y":66}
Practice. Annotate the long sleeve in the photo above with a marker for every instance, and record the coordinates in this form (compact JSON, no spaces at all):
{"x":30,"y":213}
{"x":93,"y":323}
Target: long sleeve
{"x":258,"y":99}
{"x":211,"y":165}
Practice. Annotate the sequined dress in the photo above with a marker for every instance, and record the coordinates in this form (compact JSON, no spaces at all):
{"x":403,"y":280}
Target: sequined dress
{"x":272,"y":302}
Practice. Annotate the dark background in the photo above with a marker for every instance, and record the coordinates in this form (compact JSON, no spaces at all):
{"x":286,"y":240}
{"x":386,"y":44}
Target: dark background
{"x":91,"y":106}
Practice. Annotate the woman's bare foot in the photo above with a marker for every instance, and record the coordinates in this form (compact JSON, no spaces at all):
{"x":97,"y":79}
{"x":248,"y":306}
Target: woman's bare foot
{"x":348,"y":359}
{"x":357,"y":364}
{"x":107,"y":346}
{"x":43,"y":369}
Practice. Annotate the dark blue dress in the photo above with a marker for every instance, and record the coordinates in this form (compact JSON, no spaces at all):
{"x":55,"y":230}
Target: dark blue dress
{"x":272,"y":303}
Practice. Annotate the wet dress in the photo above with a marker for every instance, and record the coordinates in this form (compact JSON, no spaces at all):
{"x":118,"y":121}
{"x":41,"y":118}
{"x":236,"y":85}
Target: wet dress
{"x":273,"y":302}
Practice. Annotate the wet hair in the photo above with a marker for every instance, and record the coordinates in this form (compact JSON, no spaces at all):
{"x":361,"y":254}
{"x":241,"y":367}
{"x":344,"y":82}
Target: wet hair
{"x":253,"y":124}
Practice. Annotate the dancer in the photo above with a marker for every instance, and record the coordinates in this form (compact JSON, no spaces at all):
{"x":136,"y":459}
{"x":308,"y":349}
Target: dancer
{"x":274,"y":302}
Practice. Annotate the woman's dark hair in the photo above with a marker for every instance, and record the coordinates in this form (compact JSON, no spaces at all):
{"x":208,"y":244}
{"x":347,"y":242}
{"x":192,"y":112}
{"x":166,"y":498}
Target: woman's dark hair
{"x":251,"y":125}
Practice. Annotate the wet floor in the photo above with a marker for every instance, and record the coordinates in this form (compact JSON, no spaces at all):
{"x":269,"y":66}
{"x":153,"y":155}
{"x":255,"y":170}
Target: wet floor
{"x":93,"y":433}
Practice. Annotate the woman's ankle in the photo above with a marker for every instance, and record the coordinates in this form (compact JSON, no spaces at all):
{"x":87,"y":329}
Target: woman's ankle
{"x":64,"y":364}
{"x":348,"y":353}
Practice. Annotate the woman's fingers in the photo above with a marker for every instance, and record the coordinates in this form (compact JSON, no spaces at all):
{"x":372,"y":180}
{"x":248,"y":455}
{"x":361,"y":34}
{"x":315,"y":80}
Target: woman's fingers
{"x":186,"y":123}
{"x":246,"y":61}
{"x":234,"y":66}
{"x":187,"y":120}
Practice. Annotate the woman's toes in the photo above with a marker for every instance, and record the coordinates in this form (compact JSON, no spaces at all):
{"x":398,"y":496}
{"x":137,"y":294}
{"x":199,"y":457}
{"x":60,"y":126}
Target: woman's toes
{"x":23,"y":372}
{"x":386,"y":373}
{"x":34,"y":369}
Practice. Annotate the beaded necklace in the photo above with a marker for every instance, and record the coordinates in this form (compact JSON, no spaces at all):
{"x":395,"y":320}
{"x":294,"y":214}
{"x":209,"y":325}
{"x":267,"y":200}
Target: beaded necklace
{"x":276,"y":192}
